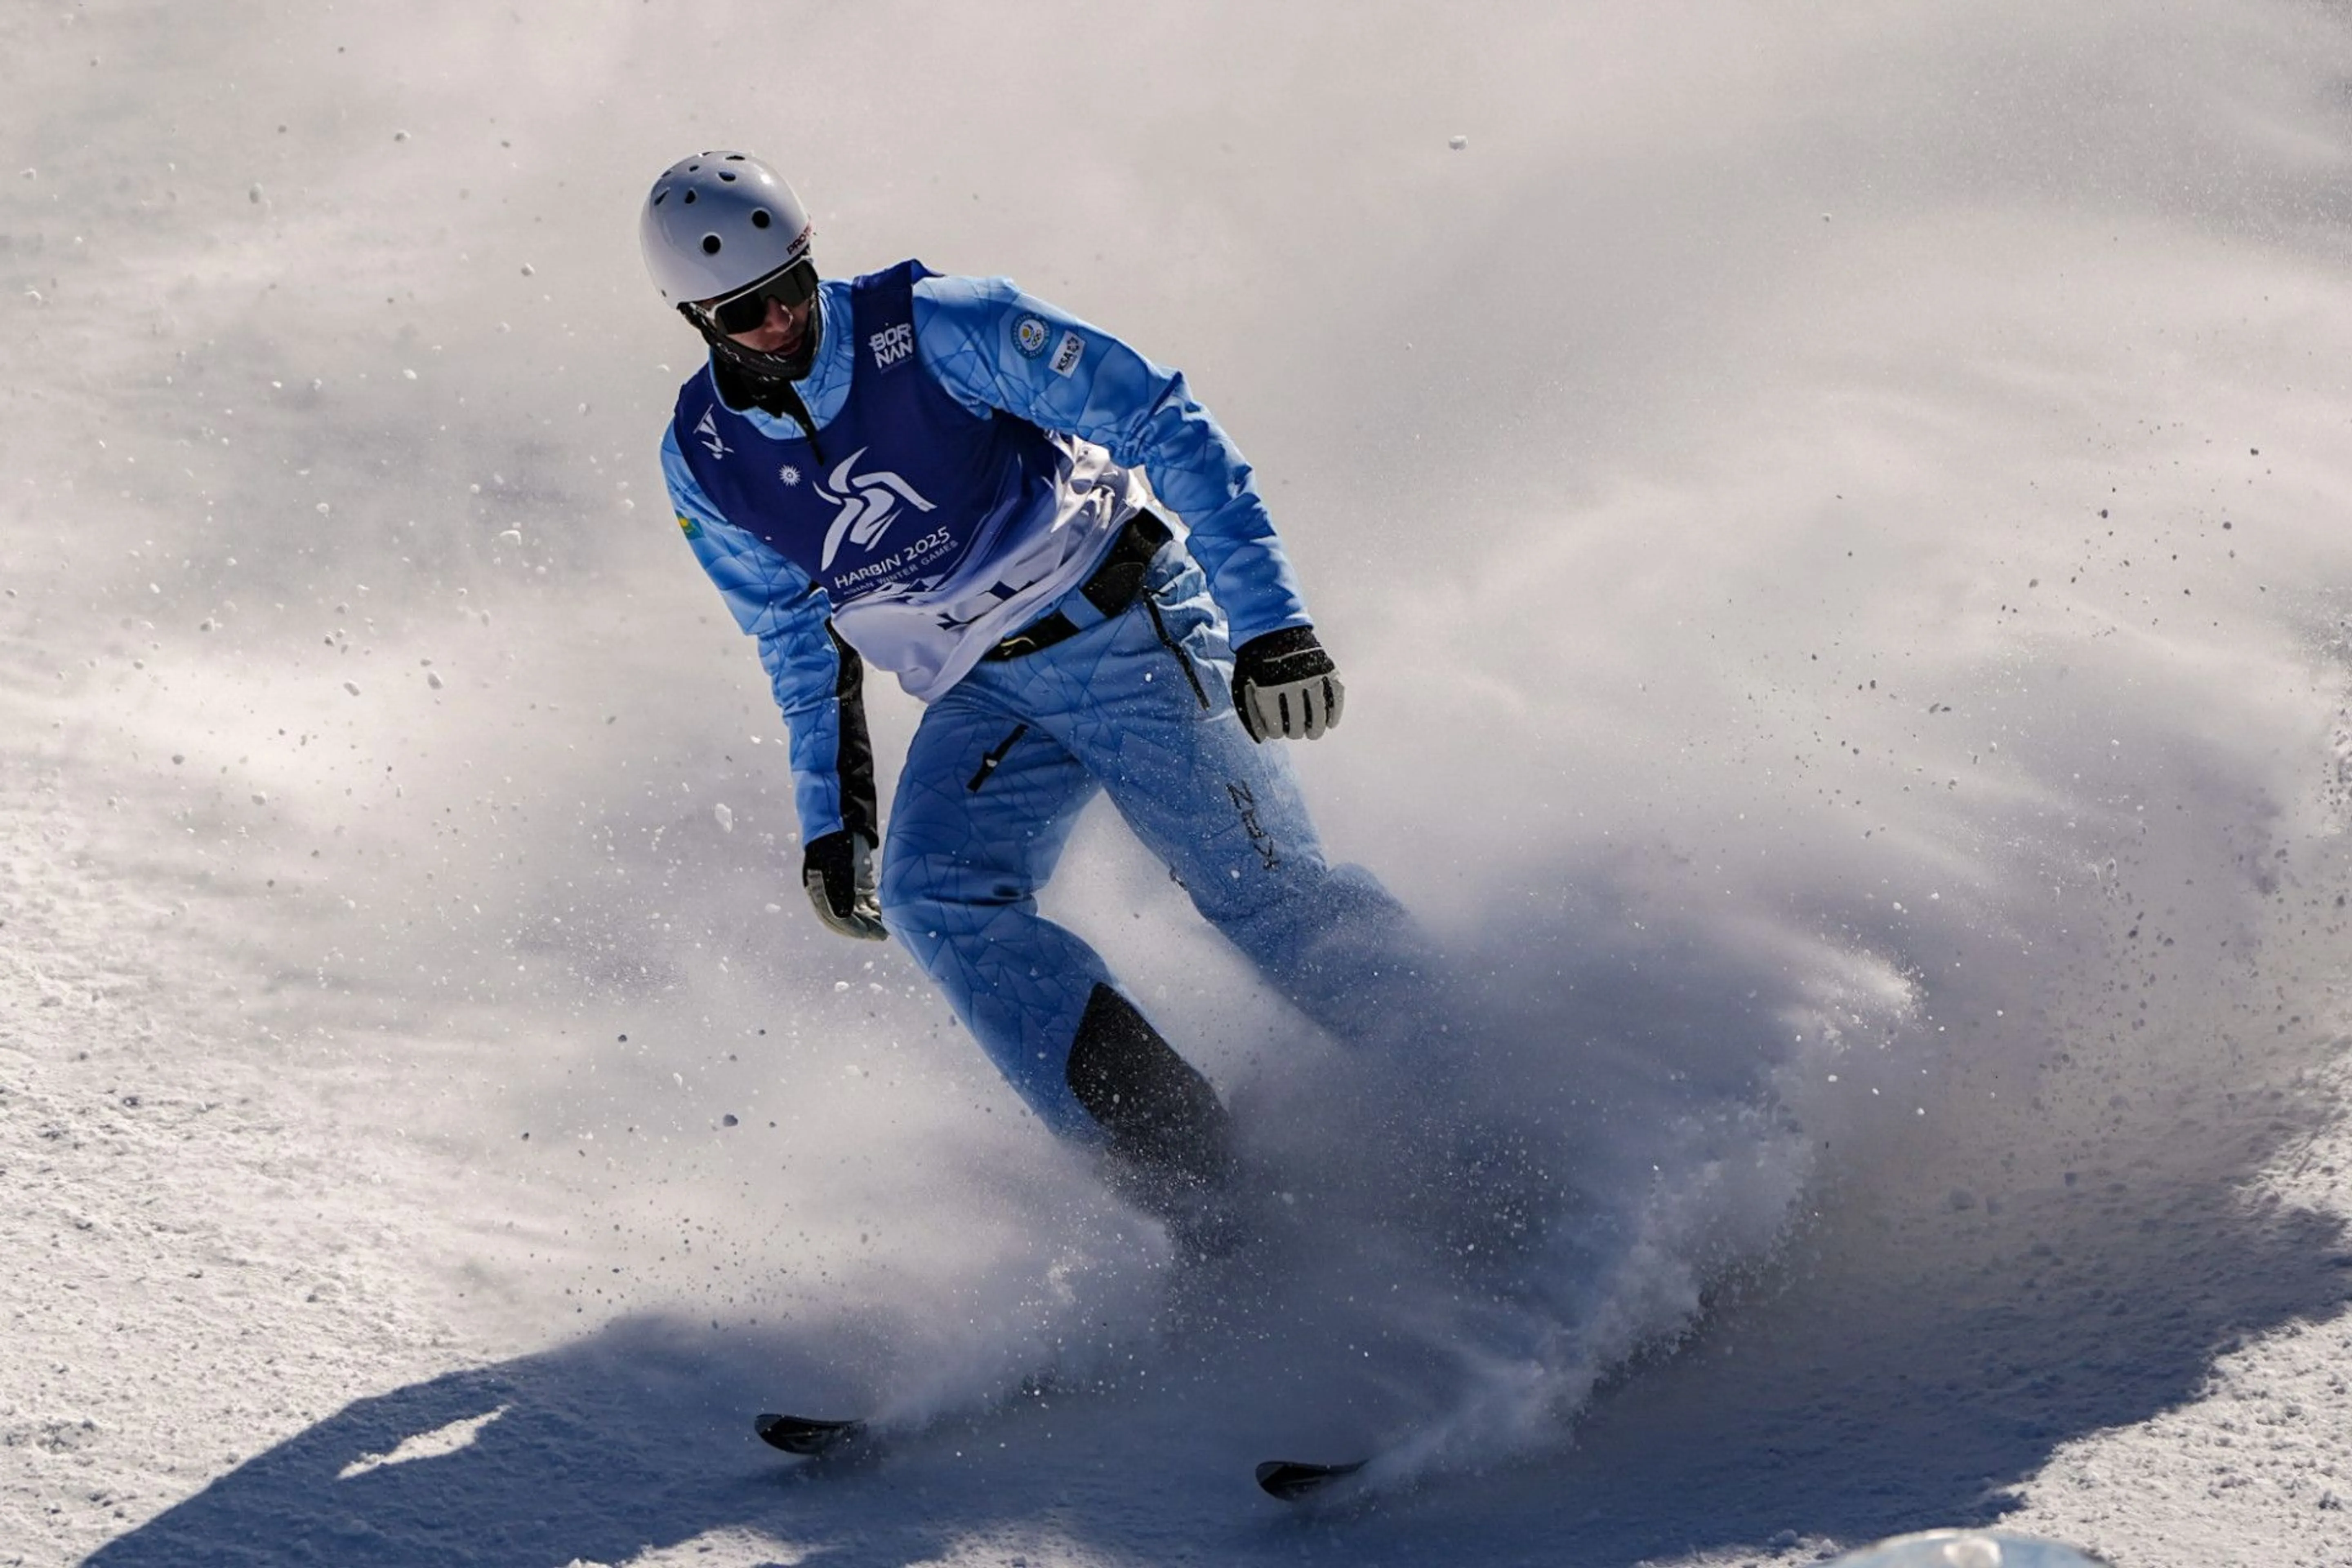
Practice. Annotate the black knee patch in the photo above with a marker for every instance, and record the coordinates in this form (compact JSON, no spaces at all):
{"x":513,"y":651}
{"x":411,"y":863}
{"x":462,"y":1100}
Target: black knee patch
{"x":1161,"y":1114}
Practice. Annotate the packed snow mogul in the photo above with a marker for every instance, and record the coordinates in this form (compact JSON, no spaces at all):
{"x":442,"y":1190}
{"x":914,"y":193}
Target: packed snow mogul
{"x":944,"y":477}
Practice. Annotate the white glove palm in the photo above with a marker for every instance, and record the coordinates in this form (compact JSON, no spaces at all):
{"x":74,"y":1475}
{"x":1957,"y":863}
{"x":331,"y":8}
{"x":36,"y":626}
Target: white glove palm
{"x":837,"y":869}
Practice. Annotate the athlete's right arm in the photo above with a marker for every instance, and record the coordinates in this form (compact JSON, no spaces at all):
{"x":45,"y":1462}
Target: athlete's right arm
{"x":816,"y":678}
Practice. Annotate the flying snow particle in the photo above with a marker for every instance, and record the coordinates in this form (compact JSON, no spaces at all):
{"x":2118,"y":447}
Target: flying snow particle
{"x":408,"y":376}
{"x":433,"y":678}
{"x":726,"y":817}
{"x":727,"y":1120}
{"x":259,"y":798}
{"x":529,"y":270}
{"x":511,"y":536}
{"x":253,"y":194}
{"x":324,"y":509}
{"x":352,"y":686}
{"x":1458,"y":143}
{"x":400,"y":135}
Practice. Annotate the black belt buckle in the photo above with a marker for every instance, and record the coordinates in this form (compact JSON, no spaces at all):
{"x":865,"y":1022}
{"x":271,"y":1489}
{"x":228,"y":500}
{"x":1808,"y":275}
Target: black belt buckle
{"x":1119,"y":578}
{"x":1111,"y":588}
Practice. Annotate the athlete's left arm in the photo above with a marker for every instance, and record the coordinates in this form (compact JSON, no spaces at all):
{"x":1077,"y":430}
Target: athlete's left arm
{"x":992,"y":346}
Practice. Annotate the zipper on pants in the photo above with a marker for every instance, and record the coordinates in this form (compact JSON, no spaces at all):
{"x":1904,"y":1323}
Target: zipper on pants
{"x":1159,"y":625}
{"x":989,"y":760}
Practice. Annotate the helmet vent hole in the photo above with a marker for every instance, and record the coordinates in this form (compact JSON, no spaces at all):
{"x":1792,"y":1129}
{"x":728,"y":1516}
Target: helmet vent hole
{"x":728,"y":176}
{"x":688,"y":198}
{"x":760,"y":218}
{"x":710,"y":243}
{"x":660,"y":196}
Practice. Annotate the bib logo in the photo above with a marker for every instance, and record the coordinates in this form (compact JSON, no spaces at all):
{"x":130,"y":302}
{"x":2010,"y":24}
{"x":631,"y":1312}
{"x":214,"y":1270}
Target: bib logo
{"x":709,"y":431}
{"x":892,"y":344}
{"x":868,"y":502}
{"x":1029,"y":335}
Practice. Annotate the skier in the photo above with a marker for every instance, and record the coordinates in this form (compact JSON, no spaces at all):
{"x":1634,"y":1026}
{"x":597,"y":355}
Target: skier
{"x":945,"y":476}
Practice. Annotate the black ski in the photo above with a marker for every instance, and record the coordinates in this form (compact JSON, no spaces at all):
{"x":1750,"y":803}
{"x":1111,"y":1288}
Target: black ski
{"x":810,"y":1439}
{"x":1290,"y":1479}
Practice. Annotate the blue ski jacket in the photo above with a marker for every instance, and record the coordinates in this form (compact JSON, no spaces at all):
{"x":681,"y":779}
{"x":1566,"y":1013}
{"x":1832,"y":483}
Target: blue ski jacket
{"x":992,"y":349}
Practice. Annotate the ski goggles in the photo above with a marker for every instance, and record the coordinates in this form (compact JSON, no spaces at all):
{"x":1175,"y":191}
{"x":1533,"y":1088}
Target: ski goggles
{"x":791,"y":286}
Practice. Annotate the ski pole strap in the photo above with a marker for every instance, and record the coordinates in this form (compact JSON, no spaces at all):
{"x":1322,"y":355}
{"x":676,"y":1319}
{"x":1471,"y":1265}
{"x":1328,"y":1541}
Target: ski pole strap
{"x":1111,"y":588}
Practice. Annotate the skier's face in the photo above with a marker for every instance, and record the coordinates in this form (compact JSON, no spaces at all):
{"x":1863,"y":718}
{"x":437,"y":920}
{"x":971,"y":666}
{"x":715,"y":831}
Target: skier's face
{"x":771,"y":316}
{"x":782,"y":331}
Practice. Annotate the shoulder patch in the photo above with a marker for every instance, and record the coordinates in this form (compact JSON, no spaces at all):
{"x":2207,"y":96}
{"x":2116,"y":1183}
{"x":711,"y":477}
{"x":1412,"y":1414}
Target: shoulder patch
{"x":1067,"y":352}
{"x":1029,"y":336}
{"x":692,"y":529}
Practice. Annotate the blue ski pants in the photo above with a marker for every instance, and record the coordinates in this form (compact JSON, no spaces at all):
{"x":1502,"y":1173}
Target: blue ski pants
{"x":1137,"y":706}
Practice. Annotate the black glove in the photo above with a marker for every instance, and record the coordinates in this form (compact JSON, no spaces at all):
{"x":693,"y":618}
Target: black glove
{"x":837,"y":869}
{"x":1286,"y":685}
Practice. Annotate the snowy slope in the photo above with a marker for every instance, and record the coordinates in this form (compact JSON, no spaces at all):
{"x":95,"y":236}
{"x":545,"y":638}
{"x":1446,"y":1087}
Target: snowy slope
{"x":1834,"y":530}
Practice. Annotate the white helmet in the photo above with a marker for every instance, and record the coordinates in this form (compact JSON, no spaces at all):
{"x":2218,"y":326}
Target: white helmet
{"x":718,"y":223}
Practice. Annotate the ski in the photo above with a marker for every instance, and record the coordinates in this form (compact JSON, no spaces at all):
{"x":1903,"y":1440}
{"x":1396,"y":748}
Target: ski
{"x":808,"y":1439}
{"x":1291,"y":1480}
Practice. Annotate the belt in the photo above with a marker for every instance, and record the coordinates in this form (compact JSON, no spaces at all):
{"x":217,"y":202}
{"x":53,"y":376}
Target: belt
{"x":1111,"y":588}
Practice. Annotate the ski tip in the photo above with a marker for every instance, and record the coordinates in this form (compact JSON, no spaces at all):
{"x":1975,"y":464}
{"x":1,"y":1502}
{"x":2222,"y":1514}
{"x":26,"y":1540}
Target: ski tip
{"x":802,"y":1436}
{"x":1290,"y":1479}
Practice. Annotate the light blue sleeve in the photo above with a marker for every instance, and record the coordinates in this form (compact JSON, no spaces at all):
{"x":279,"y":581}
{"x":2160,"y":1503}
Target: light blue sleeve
{"x":774,"y":601}
{"x":992,"y":346}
